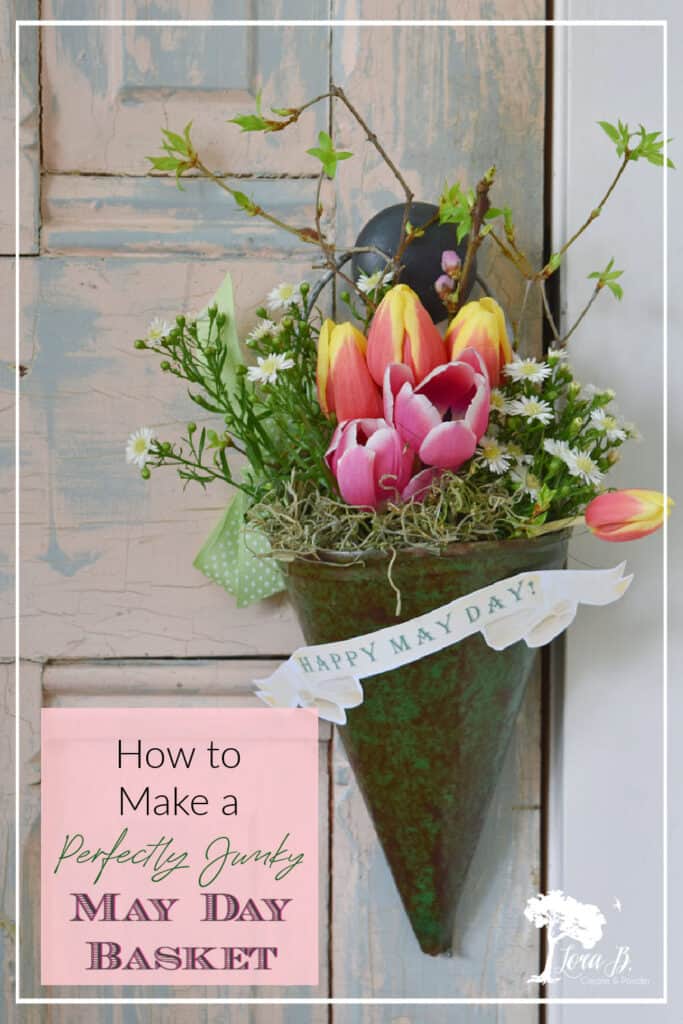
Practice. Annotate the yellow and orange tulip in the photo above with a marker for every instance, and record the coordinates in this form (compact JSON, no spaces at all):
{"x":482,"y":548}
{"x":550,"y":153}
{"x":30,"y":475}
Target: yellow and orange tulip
{"x":627,"y":515}
{"x":345,"y":386}
{"x":402,"y":331}
{"x":480,"y":325}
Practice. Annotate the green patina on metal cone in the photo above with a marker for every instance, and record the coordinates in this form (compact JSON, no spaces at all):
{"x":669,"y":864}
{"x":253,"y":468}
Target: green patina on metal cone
{"x":428,"y":742}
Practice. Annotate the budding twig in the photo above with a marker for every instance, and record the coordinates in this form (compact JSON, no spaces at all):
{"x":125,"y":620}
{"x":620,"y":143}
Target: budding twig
{"x":548,"y":313}
{"x":338,"y":93}
{"x":517,"y":325}
{"x":596,"y":291}
{"x":595,"y":212}
{"x":479,"y":209}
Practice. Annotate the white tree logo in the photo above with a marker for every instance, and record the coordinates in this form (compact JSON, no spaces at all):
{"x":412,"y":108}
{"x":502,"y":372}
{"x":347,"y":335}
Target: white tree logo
{"x":565,"y":918}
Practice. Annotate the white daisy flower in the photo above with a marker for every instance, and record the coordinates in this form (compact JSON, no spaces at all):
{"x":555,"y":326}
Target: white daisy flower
{"x":527,"y":369}
{"x":262,"y":329}
{"x":632,"y":431}
{"x":499,"y":402}
{"x":268,"y":367}
{"x":158,"y":329}
{"x":580,"y":464}
{"x":494,"y":455}
{"x":560,"y":449}
{"x":367,"y":283}
{"x":532,"y":409}
{"x":528,"y":482}
{"x":282,"y":296}
{"x":558,"y":355}
{"x":139,"y":445}
{"x":608,"y":425}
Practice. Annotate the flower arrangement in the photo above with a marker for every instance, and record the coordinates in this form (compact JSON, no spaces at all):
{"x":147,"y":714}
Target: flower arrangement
{"x":413,"y":486}
{"x":381,"y":431}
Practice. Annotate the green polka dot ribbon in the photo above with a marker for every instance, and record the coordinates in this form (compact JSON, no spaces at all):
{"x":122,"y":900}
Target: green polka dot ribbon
{"x":233,"y":556}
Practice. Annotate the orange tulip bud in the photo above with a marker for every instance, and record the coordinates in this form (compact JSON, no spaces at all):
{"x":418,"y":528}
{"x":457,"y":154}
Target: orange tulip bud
{"x":480,"y":325}
{"x":627,"y":515}
{"x":402,"y":331}
{"x":345,"y":386}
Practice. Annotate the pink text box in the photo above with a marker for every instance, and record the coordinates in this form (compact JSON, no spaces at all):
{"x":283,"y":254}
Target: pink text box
{"x":149,"y":877}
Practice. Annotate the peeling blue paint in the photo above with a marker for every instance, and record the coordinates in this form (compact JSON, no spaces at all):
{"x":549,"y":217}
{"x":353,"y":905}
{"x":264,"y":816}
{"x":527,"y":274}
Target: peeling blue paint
{"x":151,"y":214}
{"x":60,"y":561}
{"x":87,"y":49}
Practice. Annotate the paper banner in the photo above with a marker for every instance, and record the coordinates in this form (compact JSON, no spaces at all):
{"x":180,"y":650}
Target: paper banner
{"x":532,"y":606}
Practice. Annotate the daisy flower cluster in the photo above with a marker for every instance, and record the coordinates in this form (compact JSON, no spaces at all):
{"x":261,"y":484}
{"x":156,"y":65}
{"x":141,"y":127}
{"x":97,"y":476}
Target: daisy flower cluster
{"x":550,"y":440}
{"x":262,"y":408}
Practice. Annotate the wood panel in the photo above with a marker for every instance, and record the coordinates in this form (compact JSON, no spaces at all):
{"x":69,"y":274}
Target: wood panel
{"x":125,"y":215}
{"x":107,"y":91}
{"x":107,"y":558}
{"x":7,"y":408}
{"x":29,"y":733}
{"x":29,"y":127}
{"x":447,"y":104}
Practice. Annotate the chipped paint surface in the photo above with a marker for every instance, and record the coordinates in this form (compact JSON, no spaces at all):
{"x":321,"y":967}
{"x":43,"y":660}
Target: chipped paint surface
{"x":454,"y":101}
{"x":150,"y":215}
{"x":29,"y":115}
{"x":107,"y":559}
{"x":109,"y":90}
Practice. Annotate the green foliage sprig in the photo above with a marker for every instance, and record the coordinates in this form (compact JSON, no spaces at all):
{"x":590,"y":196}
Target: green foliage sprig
{"x":649,"y":145}
{"x":276,"y":425}
{"x":458,"y":205}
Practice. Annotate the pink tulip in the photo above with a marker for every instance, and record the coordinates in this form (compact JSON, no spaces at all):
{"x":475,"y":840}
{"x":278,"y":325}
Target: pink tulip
{"x":442,"y":418}
{"x":372,"y":464}
{"x":402,"y":331}
{"x":345,"y":386}
{"x":627,"y":515}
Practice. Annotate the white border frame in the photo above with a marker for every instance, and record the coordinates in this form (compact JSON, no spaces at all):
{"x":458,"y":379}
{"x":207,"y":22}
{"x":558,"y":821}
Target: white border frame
{"x":332,"y":23}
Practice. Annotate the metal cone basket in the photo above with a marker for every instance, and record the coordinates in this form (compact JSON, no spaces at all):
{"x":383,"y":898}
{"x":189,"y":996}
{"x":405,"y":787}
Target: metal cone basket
{"x":428,"y":742}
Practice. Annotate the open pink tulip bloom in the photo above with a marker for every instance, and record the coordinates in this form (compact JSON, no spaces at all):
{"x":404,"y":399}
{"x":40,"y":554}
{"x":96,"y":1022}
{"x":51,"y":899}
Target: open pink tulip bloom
{"x":373,"y":465}
{"x":444,"y":417}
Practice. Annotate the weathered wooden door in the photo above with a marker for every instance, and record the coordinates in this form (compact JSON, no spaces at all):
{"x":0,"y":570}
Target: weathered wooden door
{"x":112,"y":610}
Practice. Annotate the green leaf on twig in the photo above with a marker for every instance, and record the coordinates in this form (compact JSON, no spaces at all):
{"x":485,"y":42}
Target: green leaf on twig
{"x":258,"y":123}
{"x":175,"y":142}
{"x":636,"y":144}
{"x":180,"y":153}
{"x":244,"y":202}
{"x":607,"y":278}
{"x":164,"y":163}
{"x":328,"y":156}
{"x":455,"y":207}
{"x":609,"y":130}
{"x":250,"y":122}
